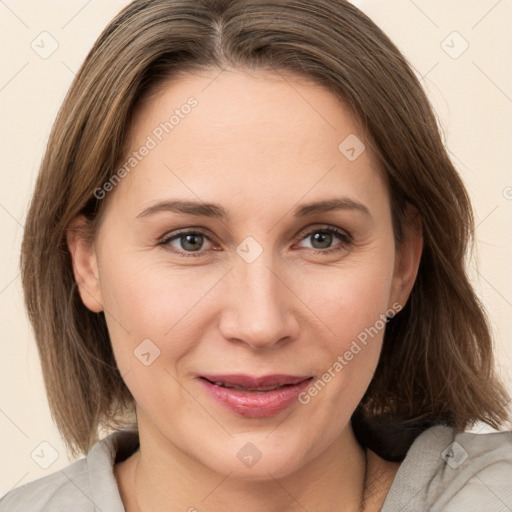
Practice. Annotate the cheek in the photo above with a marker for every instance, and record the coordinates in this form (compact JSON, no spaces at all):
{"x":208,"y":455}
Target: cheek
{"x":149,"y":323}
{"x":348,"y":299}
{"x":348,"y":353}
{"x":147,"y":298}
{"x":351,"y":304}
{"x":153,"y":301}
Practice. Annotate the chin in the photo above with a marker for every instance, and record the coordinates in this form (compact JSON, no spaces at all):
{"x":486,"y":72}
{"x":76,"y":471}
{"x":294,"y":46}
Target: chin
{"x":262,"y":470}
{"x":256,"y":460}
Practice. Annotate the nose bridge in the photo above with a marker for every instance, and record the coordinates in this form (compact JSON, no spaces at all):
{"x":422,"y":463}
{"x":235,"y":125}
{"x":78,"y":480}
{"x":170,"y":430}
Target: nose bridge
{"x":259,"y":308}
{"x":259,"y":282}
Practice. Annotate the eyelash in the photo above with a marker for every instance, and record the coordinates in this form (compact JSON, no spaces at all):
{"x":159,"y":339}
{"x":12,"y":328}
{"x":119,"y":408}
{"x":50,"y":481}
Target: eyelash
{"x":343,"y":235}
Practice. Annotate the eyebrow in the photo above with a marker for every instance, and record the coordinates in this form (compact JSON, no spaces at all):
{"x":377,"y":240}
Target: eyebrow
{"x":215,"y":210}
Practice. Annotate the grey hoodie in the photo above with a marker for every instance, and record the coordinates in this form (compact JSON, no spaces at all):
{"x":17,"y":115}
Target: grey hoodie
{"x":442,"y":471}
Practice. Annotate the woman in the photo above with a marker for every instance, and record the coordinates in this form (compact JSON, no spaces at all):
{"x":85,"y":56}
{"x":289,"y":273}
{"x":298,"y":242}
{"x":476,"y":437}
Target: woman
{"x":245,"y":255}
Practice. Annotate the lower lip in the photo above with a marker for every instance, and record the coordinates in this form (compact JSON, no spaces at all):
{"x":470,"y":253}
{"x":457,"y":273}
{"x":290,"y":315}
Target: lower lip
{"x":255,"y":404}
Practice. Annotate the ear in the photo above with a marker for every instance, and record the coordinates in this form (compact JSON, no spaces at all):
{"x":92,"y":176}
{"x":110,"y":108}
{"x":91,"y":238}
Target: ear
{"x":408,"y":258}
{"x":85,"y":266}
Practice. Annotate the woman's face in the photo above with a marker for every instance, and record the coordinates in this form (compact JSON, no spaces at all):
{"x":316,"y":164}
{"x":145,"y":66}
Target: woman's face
{"x":274,"y":286}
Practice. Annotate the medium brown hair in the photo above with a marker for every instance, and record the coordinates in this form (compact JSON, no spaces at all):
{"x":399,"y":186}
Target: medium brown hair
{"x":436,"y":364}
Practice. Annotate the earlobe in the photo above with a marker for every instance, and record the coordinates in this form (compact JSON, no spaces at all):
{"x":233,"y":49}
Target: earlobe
{"x":408,"y":258}
{"x":85,"y":266}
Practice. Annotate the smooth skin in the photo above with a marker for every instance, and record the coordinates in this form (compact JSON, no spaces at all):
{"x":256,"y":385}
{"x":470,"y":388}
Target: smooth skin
{"x":259,"y":144}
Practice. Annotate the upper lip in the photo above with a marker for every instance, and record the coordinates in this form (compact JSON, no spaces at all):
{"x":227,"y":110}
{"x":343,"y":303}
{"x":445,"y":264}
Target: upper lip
{"x":248,"y":381}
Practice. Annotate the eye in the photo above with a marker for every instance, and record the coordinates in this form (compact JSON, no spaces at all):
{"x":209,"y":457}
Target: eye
{"x":188,"y":243}
{"x":322,"y":239}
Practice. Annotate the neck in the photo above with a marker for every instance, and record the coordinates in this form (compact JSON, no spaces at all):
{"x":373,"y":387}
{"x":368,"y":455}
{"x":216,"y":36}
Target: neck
{"x":161,"y":477}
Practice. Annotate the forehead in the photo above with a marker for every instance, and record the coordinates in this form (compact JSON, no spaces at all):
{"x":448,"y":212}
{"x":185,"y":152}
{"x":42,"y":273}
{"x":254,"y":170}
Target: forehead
{"x":255,"y":136}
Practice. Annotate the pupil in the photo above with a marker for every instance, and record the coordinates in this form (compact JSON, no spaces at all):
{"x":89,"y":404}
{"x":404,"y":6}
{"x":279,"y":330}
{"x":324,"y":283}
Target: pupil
{"x":322,"y":237}
{"x":187,"y":239}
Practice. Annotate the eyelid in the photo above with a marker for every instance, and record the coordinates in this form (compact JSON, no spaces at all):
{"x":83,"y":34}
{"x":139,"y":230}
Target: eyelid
{"x":345,"y":237}
{"x":324,"y":227}
{"x":175,"y":234}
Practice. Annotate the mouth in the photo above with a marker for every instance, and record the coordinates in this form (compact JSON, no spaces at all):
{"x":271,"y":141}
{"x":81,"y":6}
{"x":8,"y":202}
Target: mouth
{"x":256,"y":384}
{"x":254,"y":397}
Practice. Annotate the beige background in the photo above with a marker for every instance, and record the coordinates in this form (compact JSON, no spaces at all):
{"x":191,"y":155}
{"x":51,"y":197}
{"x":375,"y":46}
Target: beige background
{"x":471,"y":91}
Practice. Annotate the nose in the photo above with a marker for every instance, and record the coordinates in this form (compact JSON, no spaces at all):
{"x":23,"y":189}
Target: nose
{"x":259,"y":310}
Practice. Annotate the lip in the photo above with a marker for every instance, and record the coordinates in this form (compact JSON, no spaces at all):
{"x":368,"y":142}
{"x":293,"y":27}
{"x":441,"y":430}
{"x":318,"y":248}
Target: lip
{"x":251,"y":403}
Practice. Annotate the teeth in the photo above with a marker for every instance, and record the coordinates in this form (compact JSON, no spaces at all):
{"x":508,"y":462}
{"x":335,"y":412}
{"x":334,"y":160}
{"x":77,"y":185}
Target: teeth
{"x":241,"y":388}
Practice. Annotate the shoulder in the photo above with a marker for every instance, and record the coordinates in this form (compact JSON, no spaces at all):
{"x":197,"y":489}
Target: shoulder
{"x":85,"y":485}
{"x":476,"y":473}
{"x":450,"y":472}
{"x":52,"y":492}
